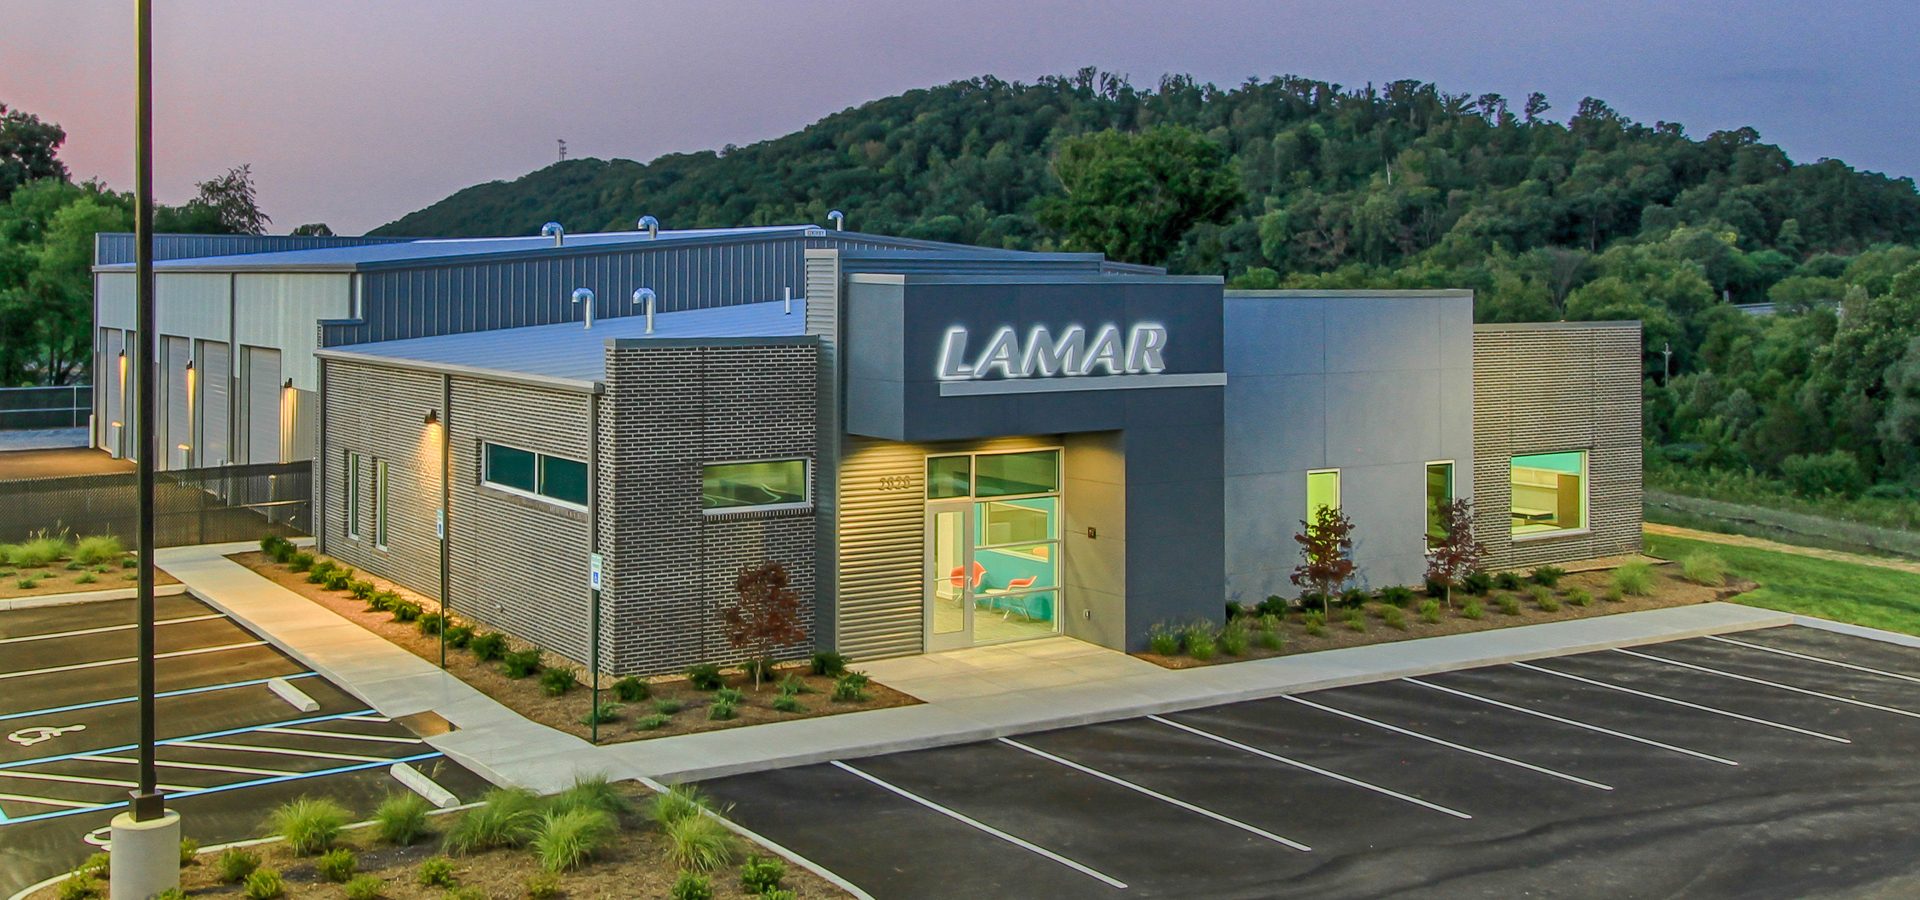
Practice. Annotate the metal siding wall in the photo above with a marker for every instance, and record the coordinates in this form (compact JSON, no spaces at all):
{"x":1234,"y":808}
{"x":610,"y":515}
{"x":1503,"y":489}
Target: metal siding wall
{"x":260,"y":403}
{"x":111,"y":415}
{"x":279,"y":311}
{"x":215,"y":368}
{"x":823,"y":320}
{"x":192,"y":304}
{"x":176,"y":403}
{"x":114,"y":300}
{"x":1550,"y":389}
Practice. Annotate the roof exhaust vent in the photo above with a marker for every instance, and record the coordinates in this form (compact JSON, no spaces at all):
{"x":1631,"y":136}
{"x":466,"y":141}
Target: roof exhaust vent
{"x":644,"y":297}
{"x":553,"y":230}
{"x":651,"y":226}
{"x":838,"y":218}
{"x":585,"y":295}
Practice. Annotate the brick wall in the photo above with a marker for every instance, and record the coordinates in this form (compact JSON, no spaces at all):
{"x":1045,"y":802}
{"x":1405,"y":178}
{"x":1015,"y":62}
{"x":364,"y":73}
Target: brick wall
{"x":377,"y":412}
{"x":671,"y":407}
{"x":1547,"y":388}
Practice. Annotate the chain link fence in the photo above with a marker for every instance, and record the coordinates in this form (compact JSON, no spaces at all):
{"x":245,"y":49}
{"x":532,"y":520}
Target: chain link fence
{"x":191,"y":506}
{"x":25,"y":408}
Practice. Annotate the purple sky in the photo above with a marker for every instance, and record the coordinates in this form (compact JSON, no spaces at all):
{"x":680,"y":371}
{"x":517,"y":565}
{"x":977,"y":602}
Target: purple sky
{"x":354,"y":112}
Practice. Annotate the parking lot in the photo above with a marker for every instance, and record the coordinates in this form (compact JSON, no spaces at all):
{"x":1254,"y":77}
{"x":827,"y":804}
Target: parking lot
{"x":1775,"y":763}
{"x":229,"y":748}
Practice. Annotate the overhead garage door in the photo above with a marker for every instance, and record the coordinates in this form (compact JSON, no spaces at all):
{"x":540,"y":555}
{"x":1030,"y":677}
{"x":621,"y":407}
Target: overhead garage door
{"x":260,"y":378}
{"x":215,"y":374}
{"x":177,"y":398}
{"x":113,"y":409}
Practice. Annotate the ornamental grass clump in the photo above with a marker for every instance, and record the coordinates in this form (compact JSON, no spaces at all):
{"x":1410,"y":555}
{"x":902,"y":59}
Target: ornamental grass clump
{"x":1634,"y":578}
{"x":555,"y":681}
{"x":309,"y":825}
{"x":1472,"y":609}
{"x":1544,"y":598}
{"x":1233,"y":638}
{"x":506,"y":818}
{"x":236,"y":864}
{"x":1394,"y":617}
{"x":1430,"y":611}
{"x":39,"y":550}
{"x":1579,"y":597}
{"x":336,"y":865}
{"x":566,"y":839}
{"x":699,"y":843}
{"x":401,"y":819}
{"x":1163,"y":639}
{"x":1548,"y":576}
{"x":631,"y":689}
{"x":1509,"y":604}
{"x":520,"y":663}
{"x":1701,"y":567}
{"x":96,"y":549}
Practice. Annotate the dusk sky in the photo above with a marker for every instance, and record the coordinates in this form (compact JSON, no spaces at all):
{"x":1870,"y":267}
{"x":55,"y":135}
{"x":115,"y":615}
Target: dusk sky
{"x":354,"y":113}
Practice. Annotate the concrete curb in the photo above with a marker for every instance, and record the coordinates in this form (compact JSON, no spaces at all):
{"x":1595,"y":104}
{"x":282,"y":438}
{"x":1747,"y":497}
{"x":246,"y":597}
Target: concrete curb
{"x":45,"y":600}
{"x":1859,"y":631}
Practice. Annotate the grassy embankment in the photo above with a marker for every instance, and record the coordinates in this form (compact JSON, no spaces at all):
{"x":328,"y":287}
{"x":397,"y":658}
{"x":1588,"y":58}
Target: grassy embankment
{"x":1841,"y":591}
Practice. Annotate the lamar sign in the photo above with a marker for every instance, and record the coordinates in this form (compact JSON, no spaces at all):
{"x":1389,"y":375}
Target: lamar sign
{"x":1042,"y":355}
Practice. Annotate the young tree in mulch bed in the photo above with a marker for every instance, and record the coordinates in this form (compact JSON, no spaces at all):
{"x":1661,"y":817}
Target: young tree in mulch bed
{"x":1326,"y":554}
{"x":767,"y":615}
{"x":1456,"y":553}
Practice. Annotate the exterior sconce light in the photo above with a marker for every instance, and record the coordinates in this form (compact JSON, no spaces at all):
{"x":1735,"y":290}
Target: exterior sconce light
{"x":189,"y":365}
{"x":288,"y":385}
{"x":433,"y":417}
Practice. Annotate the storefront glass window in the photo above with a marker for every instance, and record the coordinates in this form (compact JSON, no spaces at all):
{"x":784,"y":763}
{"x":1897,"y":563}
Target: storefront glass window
{"x":1009,"y":474}
{"x":949,"y":476}
{"x":727,"y":486}
{"x":1549,"y":493}
{"x":535,"y":474}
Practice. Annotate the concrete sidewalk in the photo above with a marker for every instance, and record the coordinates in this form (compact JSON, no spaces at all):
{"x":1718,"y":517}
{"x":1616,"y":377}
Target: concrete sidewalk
{"x":971,"y":695}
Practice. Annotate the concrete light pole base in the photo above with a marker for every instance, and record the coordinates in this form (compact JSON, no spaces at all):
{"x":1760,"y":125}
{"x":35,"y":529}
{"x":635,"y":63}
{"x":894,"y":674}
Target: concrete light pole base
{"x":146,"y":856}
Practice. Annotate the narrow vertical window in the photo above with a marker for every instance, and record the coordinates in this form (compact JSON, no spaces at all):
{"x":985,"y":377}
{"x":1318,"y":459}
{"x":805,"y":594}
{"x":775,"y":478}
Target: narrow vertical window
{"x":353,"y":494}
{"x":380,"y":503}
{"x":1323,"y":492}
{"x":1439,"y":494}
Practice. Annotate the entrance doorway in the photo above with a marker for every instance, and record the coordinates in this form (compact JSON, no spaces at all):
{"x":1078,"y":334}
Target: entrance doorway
{"x":992,"y":569}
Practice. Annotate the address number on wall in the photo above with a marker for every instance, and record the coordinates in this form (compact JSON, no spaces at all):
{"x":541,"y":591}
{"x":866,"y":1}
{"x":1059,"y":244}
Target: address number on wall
{"x":896,"y":482}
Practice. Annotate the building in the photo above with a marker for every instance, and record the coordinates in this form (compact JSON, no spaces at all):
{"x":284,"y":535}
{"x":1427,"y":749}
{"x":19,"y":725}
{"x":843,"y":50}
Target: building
{"x":945,"y":446}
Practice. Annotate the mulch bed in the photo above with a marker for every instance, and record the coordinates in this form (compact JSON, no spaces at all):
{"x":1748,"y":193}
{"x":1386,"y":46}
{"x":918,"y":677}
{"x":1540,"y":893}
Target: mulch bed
{"x":1669,"y":590}
{"x":56,"y":578}
{"x":526,"y":697}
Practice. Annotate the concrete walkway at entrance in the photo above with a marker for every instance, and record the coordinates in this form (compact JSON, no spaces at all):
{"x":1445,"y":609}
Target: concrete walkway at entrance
{"x":970,"y":695}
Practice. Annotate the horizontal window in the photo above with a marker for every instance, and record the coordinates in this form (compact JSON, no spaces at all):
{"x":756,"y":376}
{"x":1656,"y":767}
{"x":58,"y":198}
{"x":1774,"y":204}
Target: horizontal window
{"x":1010,"y":474}
{"x":747,"y":485}
{"x":537,"y":474}
{"x":1549,"y":493}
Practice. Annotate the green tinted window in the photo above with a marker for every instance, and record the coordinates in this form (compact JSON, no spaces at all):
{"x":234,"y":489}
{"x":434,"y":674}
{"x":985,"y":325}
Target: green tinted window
{"x":564,"y":480}
{"x":1015,"y":521}
{"x":1004,"y":474}
{"x":1323,"y":492}
{"x":1439,"y":493}
{"x":510,"y":467}
{"x":949,"y":476}
{"x":1549,"y":492}
{"x":740,"y":485}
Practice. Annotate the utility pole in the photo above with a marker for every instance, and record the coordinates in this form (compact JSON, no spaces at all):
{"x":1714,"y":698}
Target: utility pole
{"x":146,"y":838}
{"x":1666,"y":368}
{"x":563,"y":148}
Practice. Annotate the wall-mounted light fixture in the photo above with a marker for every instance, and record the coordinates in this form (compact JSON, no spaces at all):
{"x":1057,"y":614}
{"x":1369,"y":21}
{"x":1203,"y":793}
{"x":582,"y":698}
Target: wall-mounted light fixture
{"x":189,"y":365}
{"x":433,"y":417}
{"x":288,"y":385}
{"x":123,"y":353}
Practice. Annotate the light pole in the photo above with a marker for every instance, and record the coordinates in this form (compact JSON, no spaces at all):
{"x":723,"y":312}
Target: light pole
{"x":146,"y":838}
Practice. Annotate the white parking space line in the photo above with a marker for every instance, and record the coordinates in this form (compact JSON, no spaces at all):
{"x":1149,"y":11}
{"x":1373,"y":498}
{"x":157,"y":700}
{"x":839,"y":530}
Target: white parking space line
{"x":128,"y":659}
{"x":1574,"y":723}
{"x":1088,"y":871}
{"x":1688,"y":704}
{"x":1773,"y":684}
{"x":76,"y":779}
{"x":105,"y":629}
{"x":1451,"y":745}
{"x":284,"y":751}
{"x":1264,"y":754}
{"x":348,"y":736}
{"x":48,"y":801}
{"x":203,"y":767}
{"x":1175,"y":801}
{"x":1818,"y":659}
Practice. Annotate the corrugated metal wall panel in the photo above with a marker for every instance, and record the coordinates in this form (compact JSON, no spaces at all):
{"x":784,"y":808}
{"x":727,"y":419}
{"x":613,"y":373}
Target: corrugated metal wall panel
{"x":822,"y":289}
{"x":216,"y":377}
{"x":279,"y":310}
{"x":176,"y":421}
{"x":260,"y":399}
{"x":113,"y":410}
{"x":112,"y":248}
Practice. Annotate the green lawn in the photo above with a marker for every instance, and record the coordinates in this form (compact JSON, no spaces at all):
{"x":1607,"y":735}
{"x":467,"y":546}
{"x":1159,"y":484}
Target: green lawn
{"x":1843,"y":592}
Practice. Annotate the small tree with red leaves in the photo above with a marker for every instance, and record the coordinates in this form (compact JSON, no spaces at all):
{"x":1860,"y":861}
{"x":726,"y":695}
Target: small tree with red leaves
{"x":1326,"y":554}
{"x":766,"y":616}
{"x":1455,"y":554}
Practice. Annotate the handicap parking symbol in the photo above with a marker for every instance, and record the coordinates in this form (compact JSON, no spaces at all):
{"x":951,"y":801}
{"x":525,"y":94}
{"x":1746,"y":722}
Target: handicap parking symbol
{"x":27,"y":737}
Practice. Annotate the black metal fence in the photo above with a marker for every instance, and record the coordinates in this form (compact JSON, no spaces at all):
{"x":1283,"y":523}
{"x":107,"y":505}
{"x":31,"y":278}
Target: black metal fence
{"x":191,"y":506}
{"x":66,"y":406}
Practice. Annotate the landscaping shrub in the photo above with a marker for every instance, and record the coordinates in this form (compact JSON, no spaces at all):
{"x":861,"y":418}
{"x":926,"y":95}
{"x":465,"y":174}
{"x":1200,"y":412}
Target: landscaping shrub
{"x":1312,"y":600}
{"x":1394,"y":617}
{"x":542,"y":886}
{"x":779,"y":894}
{"x":95,"y":549}
{"x":649,"y":723}
{"x":283,"y":552}
{"x":553,"y":682}
{"x":459,"y":636}
{"x":364,"y":887}
{"x":265,"y":884}
{"x":189,"y":851}
{"x":172,"y":893}
{"x":1547,"y":575}
{"x":1578,"y":597}
{"x":1472,"y":609}
{"x":705,"y":677}
{"x":1701,"y":567}
{"x":794,"y":684}
{"x":591,"y":792}
{"x":309,"y":824}
{"x":465,"y":892}
{"x":236,"y":864}
{"x":691,"y":886}
{"x":383,"y":601}
{"x":336,"y":865}
{"x":506,"y":819}
{"x":827,"y":662}
{"x":1634,"y":578}
{"x":1477,"y":583}
{"x":1354,"y":598}
{"x":405,"y":611}
{"x":436,"y":872}
{"x":1507,"y":581}
{"x":1356,"y":619}
{"x":787,"y":703}
{"x":401,"y":818}
{"x":489,"y":646}
{"x":675,"y":803}
{"x":1274,"y":605}
{"x":362,"y":589}
{"x":320,"y":571}
{"x":1315,"y":622}
{"x":757,"y":669}
{"x":699,"y":843}
{"x":722,"y":709}
{"x":1430,"y":612}
{"x":270,"y":542}
{"x":128,"y":562}
{"x":431,"y":623}
{"x":27,"y":584}
{"x":1435,"y":587}
{"x":73,"y":567}
{"x":39,"y":550}
{"x":1509,"y":604}
{"x":607,"y":711}
{"x":1201,"y":643}
{"x":731,"y":695}
{"x":81,"y":887}
{"x":1544,"y":598}
{"x":850,"y":687}
{"x":1397,"y":596}
{"x":300,"y":561}
{"x":520,"y":663}
{"x":339,"y":580}
{"x":97,"y":865}
{"x":1614,"y":594}
{"x":1163,"y":639}
{"x":1268,"y":638}
{"x":1233,"y":638}
{"x":566,"y":839}
{"x":760,"y":874}
{"x":667,"y":706}
{"x":631,"y":689}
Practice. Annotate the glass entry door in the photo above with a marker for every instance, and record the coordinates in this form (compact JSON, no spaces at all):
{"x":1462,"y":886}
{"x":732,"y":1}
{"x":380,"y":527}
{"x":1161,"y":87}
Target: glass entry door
{"x":950,"y":579}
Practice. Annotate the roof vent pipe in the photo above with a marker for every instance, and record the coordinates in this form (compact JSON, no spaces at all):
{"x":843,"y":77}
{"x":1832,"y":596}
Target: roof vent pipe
{"x":838,"y":218}
{"x":789,"y":298}
{"x":553,"y":230}
{"x":644,"y":297}
{"x":585,"y":295}
{"x":651,"y":226}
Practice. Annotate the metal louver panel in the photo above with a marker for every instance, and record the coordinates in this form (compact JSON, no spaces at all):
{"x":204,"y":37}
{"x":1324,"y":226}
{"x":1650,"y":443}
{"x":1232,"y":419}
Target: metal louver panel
{"x":176,"y":438}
